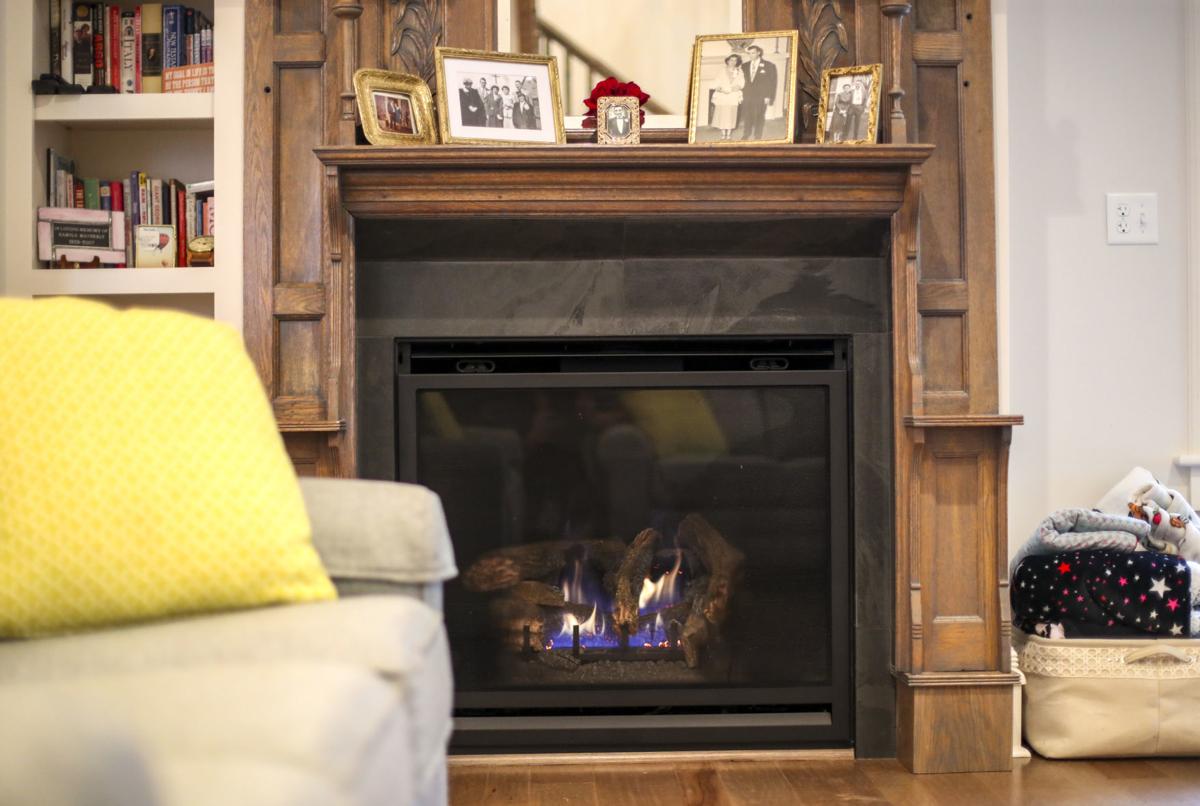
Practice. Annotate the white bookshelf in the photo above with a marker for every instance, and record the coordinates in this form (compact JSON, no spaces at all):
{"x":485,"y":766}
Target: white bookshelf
{"x":137,"y":111}
{"x":191,"y":137}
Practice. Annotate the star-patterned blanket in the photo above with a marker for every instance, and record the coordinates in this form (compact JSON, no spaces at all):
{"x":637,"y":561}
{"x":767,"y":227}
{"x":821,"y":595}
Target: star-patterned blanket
{"x":1104,"y":594}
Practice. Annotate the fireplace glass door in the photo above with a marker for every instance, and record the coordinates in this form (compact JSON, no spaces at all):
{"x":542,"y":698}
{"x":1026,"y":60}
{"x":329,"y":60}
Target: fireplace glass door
{"x":640,"y":529}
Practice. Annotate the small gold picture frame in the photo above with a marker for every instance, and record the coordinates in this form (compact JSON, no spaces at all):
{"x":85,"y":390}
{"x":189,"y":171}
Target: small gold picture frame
{"x":618,"y":120}
{"x":396,"y":109}
{"x":743,"y":88}
{"x":498,"y":98}
{"x":849,"y":110}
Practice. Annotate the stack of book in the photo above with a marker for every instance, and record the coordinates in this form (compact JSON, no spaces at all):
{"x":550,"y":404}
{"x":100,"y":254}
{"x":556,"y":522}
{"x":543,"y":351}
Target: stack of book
{"x":170,"y":212}
{"x":153,"y":48}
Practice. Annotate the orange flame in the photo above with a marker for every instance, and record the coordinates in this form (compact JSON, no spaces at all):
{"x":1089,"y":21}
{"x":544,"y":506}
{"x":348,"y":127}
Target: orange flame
{"x":665,"y":591}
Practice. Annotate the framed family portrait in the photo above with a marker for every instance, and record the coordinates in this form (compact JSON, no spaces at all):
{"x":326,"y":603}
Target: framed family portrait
{"x":396,"y":109}
{"x":618,"y":121}
{"x":486,"y":97}
{"x":743,"y":88}
{"x":849,"y":108}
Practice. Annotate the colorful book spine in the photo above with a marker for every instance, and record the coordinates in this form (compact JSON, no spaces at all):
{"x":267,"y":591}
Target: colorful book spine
{"x":137,"y":49}
{"x":152,"y":47}
{"x":181,"y":231}
{"x":113,"y":39}
{"x":128,"y":60}
{"x":99,"y":58}
{"x":81,"y":44}
{"x":91,"y":194}
{"x":105,"y":195}
{"x":130,"y":201}
{"x":117,"y":192}
{"x":189,"y":35}
{"x":172,"y":36}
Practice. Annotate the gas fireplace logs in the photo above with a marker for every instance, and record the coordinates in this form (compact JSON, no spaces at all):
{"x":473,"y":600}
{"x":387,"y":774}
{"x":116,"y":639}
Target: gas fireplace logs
{"x":635,"y":567}
{"x":566,"y":602}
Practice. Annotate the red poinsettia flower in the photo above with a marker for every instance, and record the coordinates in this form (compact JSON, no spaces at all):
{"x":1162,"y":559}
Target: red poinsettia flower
{"x":610,"y":86}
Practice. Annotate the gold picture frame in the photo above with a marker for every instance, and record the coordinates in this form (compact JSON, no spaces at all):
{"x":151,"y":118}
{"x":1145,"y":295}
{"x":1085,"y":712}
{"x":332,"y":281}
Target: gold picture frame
{"x":396,"y":109}
{"x":462,"y":68}
{"x":852,"y":127}
{"x":772,"y":90}
{"x":614,"y":112}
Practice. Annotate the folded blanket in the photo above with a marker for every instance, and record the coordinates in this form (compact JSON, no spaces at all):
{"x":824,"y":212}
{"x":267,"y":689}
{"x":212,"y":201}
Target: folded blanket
{"x":1104,"y":594}
{"x":1080,"y":529}
{"x":1173,"y":521}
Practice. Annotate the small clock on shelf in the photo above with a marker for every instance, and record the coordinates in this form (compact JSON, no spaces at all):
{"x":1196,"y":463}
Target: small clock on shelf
{"x":200,"y":251}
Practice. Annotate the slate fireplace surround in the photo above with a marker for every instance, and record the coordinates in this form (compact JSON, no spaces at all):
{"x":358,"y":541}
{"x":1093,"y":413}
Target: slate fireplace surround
{"x":623,"y":285}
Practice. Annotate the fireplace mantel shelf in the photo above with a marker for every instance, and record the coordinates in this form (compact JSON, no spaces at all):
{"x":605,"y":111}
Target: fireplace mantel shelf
{"x":577,"y":181}
{"x":761,"y":157}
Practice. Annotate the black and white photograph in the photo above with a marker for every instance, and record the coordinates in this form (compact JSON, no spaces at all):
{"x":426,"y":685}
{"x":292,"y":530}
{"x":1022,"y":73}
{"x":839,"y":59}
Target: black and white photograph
{"x":393,"y":112}
{"x":498,"y":97}
{"x":743,"y":89}
{"x":849,"y":110}
{"x":618,"y":121}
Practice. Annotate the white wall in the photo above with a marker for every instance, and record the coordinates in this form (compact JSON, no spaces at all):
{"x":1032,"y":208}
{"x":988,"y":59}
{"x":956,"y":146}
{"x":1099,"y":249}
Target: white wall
{"x":1097,"y":336}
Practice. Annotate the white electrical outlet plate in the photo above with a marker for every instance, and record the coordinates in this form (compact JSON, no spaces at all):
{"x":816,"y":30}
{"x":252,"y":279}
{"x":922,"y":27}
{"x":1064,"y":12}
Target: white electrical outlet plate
{"x":1132,"y":218}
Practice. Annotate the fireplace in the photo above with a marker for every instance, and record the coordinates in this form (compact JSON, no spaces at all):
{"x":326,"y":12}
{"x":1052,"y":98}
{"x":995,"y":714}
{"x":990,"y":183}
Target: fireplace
{"x":651,"y":528}
{"x":664,"y":452}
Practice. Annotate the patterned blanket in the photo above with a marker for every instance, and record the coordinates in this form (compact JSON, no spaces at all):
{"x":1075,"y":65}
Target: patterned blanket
{"x":1103,"y":594}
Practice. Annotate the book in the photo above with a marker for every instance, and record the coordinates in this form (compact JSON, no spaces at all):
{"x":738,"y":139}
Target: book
{"x":105,"y":194}
{"x":91,"y":194}
{"x":182,"y":234}
{"x":172,"y":36}
{"x":129,"y":199}
{"x":189,"y":78}
{"x":189,"y":35}
{"x":55,"y":38}
{"x":66,"y":37}
{"x":152,"y":55}
{"x":118,"y":206}
{"x":156,"y":211}
{"x":143,"y":192}
{"x":113,"y":35}
{"x":77,"y":195}
{"x":81,"y":44}
{"x":58,"y":168}
{"x":128,"y":62}
{"x":137,"y":47}
{"x":99,"y":58}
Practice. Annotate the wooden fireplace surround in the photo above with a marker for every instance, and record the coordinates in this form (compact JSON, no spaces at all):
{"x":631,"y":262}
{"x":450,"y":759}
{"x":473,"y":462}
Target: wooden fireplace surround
{"x":951,"y":632}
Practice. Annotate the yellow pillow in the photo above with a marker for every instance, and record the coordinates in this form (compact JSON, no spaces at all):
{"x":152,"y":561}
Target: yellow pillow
{"x":141,"y":472}
{"x":678,"y":421}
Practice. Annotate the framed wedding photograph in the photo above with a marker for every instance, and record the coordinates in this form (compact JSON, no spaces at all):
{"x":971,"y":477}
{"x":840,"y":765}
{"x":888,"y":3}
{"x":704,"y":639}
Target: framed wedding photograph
{"x":617,"y":120}
{"x":486,"y":97}
{"x":743,"y":88}
{"x":849,"y":110}
{"x":396,"y":109}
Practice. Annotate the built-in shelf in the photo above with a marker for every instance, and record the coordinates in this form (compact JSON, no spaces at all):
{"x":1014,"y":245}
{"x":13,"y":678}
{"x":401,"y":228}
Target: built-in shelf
{"x":47,"y":282}
{"x":140,"y":111}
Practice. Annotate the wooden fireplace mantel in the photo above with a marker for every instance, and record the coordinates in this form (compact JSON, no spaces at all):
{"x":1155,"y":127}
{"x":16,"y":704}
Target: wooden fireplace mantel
{"x":950,"y":652}
{"x":950,"y":647}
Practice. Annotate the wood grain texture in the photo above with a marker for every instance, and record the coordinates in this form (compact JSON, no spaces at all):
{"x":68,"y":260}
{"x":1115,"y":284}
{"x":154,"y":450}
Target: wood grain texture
{"x":1169,"y":782}
{"x":954,"y":728}
{"x":300,"y":263}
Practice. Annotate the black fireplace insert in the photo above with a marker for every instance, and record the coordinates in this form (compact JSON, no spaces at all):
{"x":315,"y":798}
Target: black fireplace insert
{"x":653,"y":535}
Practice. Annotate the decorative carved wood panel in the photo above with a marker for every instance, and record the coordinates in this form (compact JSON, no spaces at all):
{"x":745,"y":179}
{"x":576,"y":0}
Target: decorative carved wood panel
{"x":951,"y":633}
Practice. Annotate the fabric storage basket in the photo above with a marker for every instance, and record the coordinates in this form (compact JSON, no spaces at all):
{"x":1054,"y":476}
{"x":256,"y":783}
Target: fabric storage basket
{"x":1093,"y":698}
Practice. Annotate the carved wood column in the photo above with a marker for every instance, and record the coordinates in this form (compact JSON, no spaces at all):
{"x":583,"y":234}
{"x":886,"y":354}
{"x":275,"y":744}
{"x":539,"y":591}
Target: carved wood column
{"x":895,"y":12}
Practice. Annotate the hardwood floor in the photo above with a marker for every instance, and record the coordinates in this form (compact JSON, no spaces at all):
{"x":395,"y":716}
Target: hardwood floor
{"x":750,"y":783}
